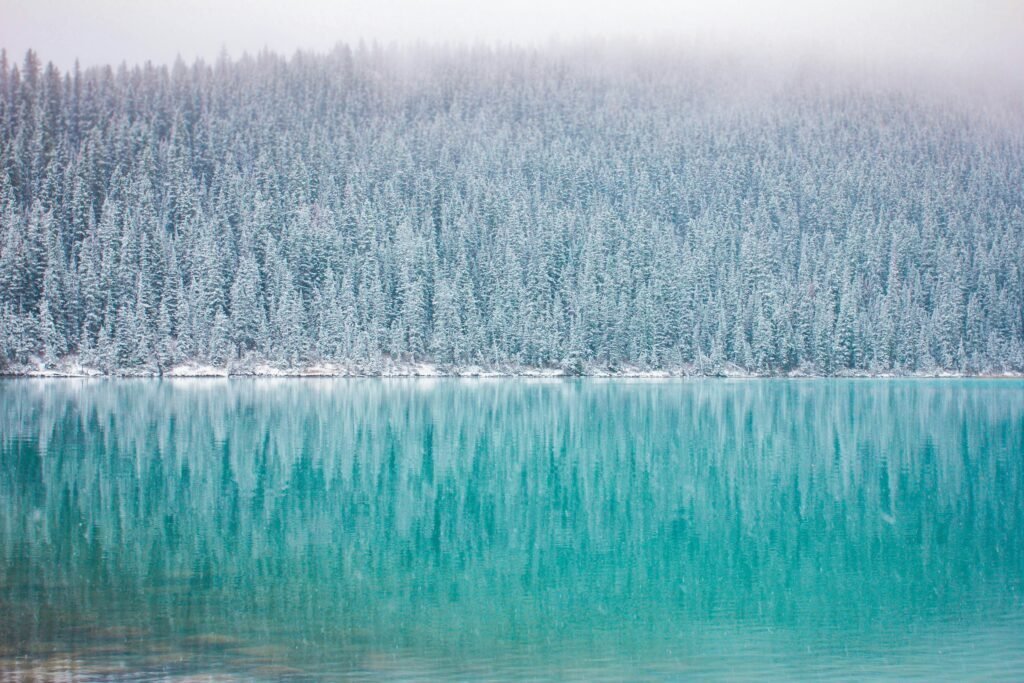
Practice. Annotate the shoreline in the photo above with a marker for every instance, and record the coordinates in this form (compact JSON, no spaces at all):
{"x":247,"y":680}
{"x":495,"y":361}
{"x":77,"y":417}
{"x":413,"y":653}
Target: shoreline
{"x":392,"y":369}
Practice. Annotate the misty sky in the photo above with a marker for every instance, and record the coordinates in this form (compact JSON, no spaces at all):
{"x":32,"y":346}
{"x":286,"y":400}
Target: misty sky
{"x":972,"y":36}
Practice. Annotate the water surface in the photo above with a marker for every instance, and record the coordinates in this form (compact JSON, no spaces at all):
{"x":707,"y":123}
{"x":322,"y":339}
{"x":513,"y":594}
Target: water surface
{"x":476,"y":529}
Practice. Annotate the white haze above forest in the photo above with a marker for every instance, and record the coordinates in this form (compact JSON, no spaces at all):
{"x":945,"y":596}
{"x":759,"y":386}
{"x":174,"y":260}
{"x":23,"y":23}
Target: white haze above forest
{"x":974,"y":40}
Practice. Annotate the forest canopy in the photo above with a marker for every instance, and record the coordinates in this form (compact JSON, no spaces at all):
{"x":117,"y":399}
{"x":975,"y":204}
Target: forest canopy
{"x":505,"y":207}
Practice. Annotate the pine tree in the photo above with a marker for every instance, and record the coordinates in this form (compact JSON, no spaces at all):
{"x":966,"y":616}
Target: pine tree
{"x":247,"y":318}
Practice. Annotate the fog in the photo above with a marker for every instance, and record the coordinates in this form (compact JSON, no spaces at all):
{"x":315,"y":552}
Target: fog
{"x":974,"y":38}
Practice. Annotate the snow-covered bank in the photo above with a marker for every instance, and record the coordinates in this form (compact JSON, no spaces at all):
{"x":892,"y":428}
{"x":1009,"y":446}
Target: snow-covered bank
{"x":391,"y":368}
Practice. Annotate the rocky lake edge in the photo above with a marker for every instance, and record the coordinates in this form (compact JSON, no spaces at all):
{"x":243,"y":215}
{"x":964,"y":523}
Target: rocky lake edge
{"x":386,"y":367}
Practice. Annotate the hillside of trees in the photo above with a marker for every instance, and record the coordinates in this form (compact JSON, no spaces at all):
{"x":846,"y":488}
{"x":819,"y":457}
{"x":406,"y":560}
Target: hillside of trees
{"x":505,"y":207}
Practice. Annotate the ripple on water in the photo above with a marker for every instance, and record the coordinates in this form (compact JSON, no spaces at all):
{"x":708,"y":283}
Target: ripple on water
{"x":510,"y":530}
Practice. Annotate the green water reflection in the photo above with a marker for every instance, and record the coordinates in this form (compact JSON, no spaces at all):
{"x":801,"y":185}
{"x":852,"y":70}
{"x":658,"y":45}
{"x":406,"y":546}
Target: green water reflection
{"x":403,"y":529}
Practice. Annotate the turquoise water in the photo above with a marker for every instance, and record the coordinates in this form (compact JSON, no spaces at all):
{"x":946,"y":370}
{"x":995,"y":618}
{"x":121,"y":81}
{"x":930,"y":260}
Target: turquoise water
{"x":506,"y":529}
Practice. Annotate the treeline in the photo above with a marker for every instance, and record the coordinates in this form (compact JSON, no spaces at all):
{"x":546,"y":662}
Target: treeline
{"x":575,"y":208}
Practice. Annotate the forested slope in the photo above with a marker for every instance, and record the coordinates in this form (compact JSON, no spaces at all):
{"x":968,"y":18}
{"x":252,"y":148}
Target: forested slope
{"x":575,"y":208}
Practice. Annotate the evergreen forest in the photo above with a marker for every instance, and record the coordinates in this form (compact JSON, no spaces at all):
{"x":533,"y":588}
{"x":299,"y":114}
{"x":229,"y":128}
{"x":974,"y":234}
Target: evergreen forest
{"x":577,"y":208}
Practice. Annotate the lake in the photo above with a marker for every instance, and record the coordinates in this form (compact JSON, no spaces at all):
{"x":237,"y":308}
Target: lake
{"x":505,"y":529}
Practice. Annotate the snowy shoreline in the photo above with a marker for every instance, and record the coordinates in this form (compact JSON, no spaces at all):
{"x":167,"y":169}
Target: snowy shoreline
{"x":393,"y":369}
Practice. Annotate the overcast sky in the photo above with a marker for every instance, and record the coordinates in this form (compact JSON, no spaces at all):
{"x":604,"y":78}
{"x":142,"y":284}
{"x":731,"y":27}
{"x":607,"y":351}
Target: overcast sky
{"x":972,"y":36}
